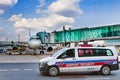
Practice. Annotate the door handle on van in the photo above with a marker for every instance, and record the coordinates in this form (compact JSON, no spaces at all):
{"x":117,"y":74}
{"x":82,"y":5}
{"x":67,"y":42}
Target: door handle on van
{"x":73,"y":58}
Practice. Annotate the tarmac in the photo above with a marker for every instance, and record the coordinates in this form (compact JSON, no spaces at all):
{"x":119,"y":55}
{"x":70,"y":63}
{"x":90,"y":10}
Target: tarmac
{"x":24,"y":58}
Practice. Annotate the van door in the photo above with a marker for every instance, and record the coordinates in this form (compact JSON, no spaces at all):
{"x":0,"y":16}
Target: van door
{"x":66,"y":60}
{"x":85,"y":60}
{"x":93,"y":59}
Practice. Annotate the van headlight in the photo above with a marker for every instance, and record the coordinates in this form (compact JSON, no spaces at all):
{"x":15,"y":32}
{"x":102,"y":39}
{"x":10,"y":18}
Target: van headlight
{"x":42,"y":64}
{"x":115,"y":62}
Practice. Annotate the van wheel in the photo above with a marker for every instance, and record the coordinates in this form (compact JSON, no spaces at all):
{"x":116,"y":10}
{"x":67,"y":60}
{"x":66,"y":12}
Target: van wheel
{"x":20,"y":53}
{"x":9,"y":53}
{"x":53,"y":71}
{"x":105,"y":70}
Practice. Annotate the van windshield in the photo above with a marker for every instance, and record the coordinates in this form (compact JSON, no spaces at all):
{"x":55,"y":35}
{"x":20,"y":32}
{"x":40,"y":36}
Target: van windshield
{"x":58,"y":52}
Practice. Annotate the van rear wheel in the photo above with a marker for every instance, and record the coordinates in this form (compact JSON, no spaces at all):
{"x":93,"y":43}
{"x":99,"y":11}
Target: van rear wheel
{"x":105,"y":70}
{"x":10,"y":53}
{"x":53,"y":71}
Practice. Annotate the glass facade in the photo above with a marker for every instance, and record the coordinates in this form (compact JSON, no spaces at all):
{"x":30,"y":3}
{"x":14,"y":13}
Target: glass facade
{"x":87,"y":33}
{"x":44,"y":37}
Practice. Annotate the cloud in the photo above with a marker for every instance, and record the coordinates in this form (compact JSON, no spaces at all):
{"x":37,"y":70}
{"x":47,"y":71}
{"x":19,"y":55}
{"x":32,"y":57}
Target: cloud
{"x":58,"y":15}
{"x":42,"y":3}
{"x":15,"y":17}
{"x":66,"y":27}
{"x":1,"y":11}
{"x":3,"y":39}
{"x":1,"y":28}
{"x":20,"y":30}
{"x":5,"y":4}
{"x":70,"y":8}
{"x":38,"y":11}
{"x":41,"y":11}
{"x":39,"y":23}
{"x":8,"y":2}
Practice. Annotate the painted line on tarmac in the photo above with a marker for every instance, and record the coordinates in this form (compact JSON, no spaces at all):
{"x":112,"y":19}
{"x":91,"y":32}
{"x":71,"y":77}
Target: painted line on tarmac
{"x":28,"y":69}
{"x":15,"y":69}
{"x":3,"y":70}
{"x":97,"y":78}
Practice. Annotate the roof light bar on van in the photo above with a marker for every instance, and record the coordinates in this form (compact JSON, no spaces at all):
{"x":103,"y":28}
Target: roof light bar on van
{"x":85,"y":45}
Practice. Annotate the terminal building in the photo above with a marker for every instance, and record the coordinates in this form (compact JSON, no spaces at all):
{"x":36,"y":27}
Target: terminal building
{"x":110,"y":34}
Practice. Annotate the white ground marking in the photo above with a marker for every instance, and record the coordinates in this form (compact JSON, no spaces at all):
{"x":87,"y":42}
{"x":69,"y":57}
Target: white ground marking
{"x":98,"y":79}
{"x":27,"y":69}
{"x":14,"y":69}
{"x":2,"y":70}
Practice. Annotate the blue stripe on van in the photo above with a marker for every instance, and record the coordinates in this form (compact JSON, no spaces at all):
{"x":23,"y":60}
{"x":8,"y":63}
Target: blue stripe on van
{"x":85,"y":61}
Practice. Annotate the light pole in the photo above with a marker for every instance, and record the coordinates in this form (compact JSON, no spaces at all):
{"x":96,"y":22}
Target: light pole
{"x":29,"y":32}
{"x":6,"y":38}
{"x":86,"y":33}
{"x":70,"y":34}
{"x":18,"y":37}
{"x":64,"y":35}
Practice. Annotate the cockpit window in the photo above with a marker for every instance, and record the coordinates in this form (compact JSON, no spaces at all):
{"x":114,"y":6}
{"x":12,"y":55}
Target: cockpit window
{"x":34,"y":38}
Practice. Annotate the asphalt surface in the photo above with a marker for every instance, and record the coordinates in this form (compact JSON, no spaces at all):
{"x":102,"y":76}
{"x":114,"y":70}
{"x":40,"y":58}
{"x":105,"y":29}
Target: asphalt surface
{"x":21,"y":71}
{"x":25,"y":67}
{"x":29,"y":71}
{"x":16,"y":58}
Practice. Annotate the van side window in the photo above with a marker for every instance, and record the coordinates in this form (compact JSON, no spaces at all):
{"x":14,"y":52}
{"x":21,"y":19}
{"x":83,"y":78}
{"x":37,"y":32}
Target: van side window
{"x":85,"y":52}
{"x":102,"y":52}
{"x":67,"y":54}
{"x":109,"y":53}
{"x":94,"y":52}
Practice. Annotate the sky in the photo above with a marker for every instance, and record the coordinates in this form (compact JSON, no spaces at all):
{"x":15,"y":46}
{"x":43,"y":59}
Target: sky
{"x":17,"y":17}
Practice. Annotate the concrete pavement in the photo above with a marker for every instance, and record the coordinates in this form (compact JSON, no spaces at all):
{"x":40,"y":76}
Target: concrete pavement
{"x":25,"y":58}
{"x":15,"y":58}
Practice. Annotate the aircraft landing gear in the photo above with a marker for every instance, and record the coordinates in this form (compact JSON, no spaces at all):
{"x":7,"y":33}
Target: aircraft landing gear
{"x":34,"y":52}
{"x":41,"y":52}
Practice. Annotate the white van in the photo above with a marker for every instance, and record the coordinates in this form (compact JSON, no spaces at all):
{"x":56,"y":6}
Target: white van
{"x":80,"y":59}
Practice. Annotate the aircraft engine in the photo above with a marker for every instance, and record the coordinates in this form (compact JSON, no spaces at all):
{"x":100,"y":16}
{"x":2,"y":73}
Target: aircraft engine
{"x":15,"y":48}
{"x":49,"y":49}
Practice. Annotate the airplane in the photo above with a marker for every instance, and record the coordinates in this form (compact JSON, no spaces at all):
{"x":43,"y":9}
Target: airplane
{"x":13,"y":47}
{"x":33,"y":43}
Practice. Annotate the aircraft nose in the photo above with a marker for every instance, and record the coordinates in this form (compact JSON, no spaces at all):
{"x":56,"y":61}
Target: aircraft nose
{"x":34,"y":44}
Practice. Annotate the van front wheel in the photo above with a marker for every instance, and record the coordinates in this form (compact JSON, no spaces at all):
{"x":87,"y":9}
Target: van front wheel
{"x":105,"y":70}
{"x":53,"y":71}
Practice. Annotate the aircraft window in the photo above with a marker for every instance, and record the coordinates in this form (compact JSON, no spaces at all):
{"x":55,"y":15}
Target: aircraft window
{"x":37,"y":38}
{"x":31,"y":38}
{"x":34,"y":39}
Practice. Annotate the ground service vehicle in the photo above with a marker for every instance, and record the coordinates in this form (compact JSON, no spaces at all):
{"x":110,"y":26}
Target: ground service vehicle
{"x":81,"y":59}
